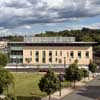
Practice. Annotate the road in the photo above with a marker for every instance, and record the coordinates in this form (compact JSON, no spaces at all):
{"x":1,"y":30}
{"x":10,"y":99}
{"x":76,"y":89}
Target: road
{"x":90,"y":92}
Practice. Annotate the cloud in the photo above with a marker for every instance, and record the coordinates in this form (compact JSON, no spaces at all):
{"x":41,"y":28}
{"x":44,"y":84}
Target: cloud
{"x":91,"y":26}
{"x":16,"y":13}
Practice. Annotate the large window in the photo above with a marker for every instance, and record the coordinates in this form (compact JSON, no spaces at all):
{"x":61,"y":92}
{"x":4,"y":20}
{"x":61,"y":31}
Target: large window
{"x":50,"y":53}
{"x":60,"y":61}
{"x":56,"y":53}
{"x":43,"y":56}
{"x":60,"y":53}
{"x":30,"y":53}
{"x":79,"y":54}
{"x":50,"y":60}
{"x":16,"y":60}
{"x":28,"y":60}
{"x":87,"y":54}
{"x":50,"y":56}
{"x":14,"y":52}
{"x":37,"y":56}
{"x":72,"y":54}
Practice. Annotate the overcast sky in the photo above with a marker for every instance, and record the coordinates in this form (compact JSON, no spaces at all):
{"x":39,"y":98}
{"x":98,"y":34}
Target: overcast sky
{"x":48,"y":15}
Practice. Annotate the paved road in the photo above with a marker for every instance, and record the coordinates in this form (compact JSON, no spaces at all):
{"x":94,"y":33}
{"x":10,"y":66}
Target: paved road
{"x":90,"y":92}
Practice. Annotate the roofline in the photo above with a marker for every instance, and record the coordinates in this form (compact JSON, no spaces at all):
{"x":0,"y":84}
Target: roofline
{"x":55,"y":44}
{"x":59,"y":42}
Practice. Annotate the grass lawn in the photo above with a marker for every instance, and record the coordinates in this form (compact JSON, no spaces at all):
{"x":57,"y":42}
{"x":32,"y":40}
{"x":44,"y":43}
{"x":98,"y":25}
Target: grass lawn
{"x":26,"y":84}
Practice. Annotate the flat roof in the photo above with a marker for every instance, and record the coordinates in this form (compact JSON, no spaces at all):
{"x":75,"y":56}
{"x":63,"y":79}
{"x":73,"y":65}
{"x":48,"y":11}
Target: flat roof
{"x":49,"y":39}
{"x":52,"y":44}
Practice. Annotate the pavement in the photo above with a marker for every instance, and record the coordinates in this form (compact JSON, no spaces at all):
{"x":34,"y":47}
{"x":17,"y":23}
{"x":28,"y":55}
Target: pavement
{"x":89,"y":92}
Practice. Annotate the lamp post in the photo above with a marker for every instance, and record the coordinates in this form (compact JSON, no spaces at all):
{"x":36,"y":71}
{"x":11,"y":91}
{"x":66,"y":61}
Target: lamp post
{"x":16,"y":64}
{"x":64,"y":62}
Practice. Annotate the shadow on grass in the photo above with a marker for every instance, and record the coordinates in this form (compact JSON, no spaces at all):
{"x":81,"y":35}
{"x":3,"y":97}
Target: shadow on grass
{"x":28,"y":98}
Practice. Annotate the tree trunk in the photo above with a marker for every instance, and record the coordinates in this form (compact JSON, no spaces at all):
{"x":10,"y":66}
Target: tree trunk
{"x":74,"y":83}
{"x":60,"y":90}
{"x":49,"y":97}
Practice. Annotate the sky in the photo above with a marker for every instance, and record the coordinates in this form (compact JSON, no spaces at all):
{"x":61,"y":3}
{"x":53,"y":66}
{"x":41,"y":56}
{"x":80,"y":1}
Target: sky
{"x":35,"y":16}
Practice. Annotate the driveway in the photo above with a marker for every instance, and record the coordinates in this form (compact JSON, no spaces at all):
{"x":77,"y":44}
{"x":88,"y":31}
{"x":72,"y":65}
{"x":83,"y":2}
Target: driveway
{"x":90,"y":92}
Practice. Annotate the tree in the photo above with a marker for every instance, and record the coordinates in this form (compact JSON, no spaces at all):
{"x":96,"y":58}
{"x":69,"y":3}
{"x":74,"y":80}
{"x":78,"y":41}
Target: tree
{"x":73,"y":73}
{"x":85,"y":73}
{"x":92,"y":67}
{"x":6,"y":79}
{"x":3,"y":60}
{"x":49,"y":83}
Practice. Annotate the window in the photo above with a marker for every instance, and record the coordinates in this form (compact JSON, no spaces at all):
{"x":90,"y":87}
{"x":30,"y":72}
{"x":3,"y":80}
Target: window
{"x":56,"y":53}
{"x":37,"y":56}
{"x":14,"y":52}
{"x":79,"y":54}
{"x":37,"y":53}
{"x":60,"y":53}
{"x":37,"y":59}
{"x":72,"y":54}
{"x":87,"y":54}
{"x":50,"y":53}
{"x":28,"y":60}
{"x":50,"y":56}
{"x":50,"y":60}
{"x":56,"y":59}
{"x":31,"y":53}
{"x":60,"y":61}
{"x":67,"y":54}
{"x":43,"y":56}
{"x":43,"y":60}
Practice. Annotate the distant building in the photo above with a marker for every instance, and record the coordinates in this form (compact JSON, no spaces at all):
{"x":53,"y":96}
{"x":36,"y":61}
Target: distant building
{"x":4,"y":46}
{"x":59,"y":52}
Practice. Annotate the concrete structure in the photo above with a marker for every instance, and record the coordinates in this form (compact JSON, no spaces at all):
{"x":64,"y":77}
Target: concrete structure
{"x":59,"y":52}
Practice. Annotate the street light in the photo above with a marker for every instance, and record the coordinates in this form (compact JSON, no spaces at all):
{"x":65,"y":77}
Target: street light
{"x":16,"y":64}
{"x":64,"y":62}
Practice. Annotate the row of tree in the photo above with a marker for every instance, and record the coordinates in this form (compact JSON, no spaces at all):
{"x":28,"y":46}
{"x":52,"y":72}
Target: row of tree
{"x":51,"y":82}
{"x":85,"y":34}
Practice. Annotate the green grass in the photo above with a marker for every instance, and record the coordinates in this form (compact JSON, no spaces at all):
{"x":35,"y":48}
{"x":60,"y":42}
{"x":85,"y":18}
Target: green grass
{"x":26,"y":84}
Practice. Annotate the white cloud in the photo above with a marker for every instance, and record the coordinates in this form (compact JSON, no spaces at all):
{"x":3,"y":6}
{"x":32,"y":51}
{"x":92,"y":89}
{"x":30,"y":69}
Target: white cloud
{"x":91,"y":26}
{"x":15,"y":13}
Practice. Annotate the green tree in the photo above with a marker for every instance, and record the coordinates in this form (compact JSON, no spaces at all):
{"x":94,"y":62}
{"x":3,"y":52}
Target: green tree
{"x":92,"y":67}
{"x":49,"y":83}
{"x":3,"y":60}
{"x":6,"y":79}
{"x":73,"y":73}
{"x":85,"y":73}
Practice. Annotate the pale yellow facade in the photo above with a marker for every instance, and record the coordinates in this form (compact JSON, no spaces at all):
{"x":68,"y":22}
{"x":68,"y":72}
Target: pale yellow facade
{"x":59,"y":55}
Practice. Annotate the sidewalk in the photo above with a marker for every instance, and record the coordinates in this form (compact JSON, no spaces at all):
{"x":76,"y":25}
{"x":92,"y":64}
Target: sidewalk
{"x":66,"y":91}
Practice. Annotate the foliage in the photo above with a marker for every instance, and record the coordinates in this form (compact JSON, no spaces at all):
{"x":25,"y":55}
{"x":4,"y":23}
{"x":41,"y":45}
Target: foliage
{"x":3,"y":60}
{"x":15,"y":38}
{"x":85,"y":72}
{"x":6,"y":78}
{"x":92,"y":67}
{"x":1,"y":89}
{"x":84,"y":34}
{"x":49,"y":83}
{"x":73,"y":73}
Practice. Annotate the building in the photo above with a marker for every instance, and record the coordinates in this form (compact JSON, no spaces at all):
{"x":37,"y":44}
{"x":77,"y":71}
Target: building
{"x":3,"y":46}
{"x":59,"y":52}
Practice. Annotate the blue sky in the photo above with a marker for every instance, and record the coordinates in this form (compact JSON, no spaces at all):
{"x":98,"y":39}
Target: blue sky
{"x":35,"y":16}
